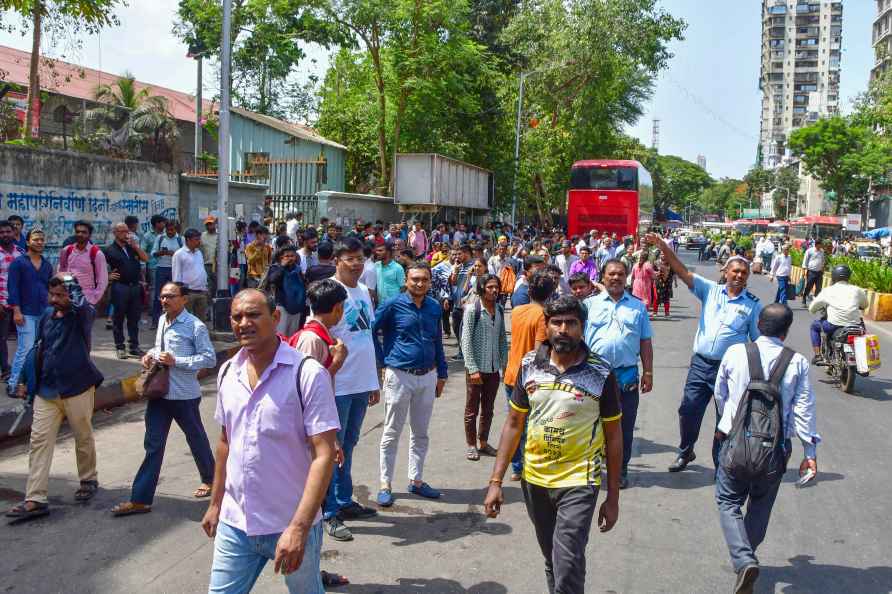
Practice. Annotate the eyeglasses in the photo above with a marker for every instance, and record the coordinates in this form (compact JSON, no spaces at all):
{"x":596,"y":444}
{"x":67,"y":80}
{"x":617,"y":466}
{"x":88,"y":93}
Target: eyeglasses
{"x":164,"y":297}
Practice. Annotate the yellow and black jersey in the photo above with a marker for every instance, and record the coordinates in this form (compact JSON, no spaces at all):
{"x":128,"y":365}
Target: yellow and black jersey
{"x":565,"y":437}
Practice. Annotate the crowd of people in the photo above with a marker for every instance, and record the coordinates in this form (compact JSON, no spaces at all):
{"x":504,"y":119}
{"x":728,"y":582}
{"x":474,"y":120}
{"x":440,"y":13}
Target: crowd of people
{"x":331,"y":322}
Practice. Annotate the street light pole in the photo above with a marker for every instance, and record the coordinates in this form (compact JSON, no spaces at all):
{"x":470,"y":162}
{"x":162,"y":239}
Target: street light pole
{"x":523,"y":76}
{"x":223,"y":156}
{"x":198,"y":128}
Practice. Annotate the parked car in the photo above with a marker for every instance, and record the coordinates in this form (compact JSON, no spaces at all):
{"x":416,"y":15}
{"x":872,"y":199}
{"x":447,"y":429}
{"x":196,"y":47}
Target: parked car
{"x":694,"y":242}
{"x":867,"y":250}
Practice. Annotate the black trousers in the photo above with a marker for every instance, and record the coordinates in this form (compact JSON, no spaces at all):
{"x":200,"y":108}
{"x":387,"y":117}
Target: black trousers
{"x":446,"y":327}
{"x":5,"y":317}
{"x":457,"y":316}
{"x":127,"y":301}
{"x":812,"y":279}
{"x":562,"y":519}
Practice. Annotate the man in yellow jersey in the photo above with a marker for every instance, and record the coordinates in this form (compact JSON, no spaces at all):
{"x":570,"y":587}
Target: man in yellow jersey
{"x":572,"y":400}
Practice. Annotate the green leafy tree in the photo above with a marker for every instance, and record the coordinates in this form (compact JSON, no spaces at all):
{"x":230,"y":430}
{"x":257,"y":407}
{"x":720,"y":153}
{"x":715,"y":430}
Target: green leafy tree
{"x":266,"y":44}
{"x":69,"y":18}
{"x":844,"y":155}
{"x":681,"y":181}
{"x":130,"y":115}
{"x":725,"y":198}
{"x":590,"y":79}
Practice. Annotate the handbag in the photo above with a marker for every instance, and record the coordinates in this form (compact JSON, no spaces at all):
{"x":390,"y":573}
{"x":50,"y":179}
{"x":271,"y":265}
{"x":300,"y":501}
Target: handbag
{"x":154,"y":383}
{"x":791,"y":292}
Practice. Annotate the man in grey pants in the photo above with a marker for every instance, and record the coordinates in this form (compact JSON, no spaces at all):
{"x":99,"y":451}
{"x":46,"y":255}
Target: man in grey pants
{"x":415,"y":375}
{"x":572,"y":399}
{"x":744,"y":534}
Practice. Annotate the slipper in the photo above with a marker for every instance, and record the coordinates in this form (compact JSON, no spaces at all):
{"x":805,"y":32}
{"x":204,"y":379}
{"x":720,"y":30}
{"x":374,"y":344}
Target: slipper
{"x":202,"y":492}
{"x":128,"y":508}
{"x":333,"y":580}
{"x":87,"y":491}
{"x":20,"y":512}
{"x":472,"y":454}
{"x":488,"y":450}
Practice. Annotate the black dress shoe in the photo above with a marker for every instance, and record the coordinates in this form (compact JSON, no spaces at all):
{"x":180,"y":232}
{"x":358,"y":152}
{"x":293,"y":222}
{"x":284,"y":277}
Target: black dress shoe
{"x":681,"y":463}
{"x":746,"y":579}
{"x":137,"y":352}
{"x":623,"y":482}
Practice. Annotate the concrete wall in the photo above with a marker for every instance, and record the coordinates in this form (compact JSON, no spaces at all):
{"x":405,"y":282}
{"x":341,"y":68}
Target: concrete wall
{"x":53,"y":189}
{"x":198,"y":198}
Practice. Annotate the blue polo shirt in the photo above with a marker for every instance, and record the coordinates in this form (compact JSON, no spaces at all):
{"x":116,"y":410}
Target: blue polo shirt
{"x":615,"y":329}
{"x":412,"y":335}
{"x":724,"y":321}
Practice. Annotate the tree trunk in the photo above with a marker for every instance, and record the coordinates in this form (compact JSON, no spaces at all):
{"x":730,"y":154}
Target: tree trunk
{"x":397,"y":125}
{"x":34,"y":74}
{"x":375,"y":52}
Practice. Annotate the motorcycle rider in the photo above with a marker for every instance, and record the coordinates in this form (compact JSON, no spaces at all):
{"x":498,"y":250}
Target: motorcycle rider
{"x":843,"y":304}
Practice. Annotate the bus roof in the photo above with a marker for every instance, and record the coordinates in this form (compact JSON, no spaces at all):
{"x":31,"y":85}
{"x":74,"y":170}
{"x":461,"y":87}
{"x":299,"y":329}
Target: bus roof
{"x":607,"y":163}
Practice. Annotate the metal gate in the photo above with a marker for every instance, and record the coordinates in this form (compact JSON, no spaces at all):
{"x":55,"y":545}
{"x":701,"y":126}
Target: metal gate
{"x":292,"y":184}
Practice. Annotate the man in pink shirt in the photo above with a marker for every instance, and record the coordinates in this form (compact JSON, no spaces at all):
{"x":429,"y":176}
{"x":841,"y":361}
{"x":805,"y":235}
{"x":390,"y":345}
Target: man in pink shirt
{"x":418,"y":239}
{"x":274,"y":458}
{"x":86,"y":262}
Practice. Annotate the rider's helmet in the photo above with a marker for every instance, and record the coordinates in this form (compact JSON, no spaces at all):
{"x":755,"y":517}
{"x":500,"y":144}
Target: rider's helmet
{"x":841,"y":273}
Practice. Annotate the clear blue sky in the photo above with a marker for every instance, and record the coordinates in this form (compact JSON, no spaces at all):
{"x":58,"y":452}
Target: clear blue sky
{"x":708,"y":100}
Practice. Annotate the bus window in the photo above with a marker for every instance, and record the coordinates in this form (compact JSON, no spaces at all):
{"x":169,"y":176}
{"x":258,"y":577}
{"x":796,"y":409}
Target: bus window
{"x":603,"y":178}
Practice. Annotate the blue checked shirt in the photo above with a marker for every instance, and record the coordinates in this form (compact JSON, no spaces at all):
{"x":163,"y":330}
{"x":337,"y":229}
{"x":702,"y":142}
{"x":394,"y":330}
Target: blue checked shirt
{"x":188,"y":340}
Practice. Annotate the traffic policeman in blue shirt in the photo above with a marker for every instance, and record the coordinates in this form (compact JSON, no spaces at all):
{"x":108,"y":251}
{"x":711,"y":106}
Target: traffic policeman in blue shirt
{"x":618,"y":329}
{"x":729,"y":315}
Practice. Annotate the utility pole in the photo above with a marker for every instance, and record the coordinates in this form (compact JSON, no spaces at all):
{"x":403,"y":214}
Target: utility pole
{"x":223,"y":172}
{"x":655,"y":136}
{"x":198,"y":128}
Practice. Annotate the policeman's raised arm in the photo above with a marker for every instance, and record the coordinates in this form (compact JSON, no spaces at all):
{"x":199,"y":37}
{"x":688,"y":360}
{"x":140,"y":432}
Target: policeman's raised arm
{"x":680,"y":270}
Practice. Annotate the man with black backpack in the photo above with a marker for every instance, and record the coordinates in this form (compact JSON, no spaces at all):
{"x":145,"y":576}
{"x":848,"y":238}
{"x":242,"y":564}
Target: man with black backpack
{"x":764,"y":395}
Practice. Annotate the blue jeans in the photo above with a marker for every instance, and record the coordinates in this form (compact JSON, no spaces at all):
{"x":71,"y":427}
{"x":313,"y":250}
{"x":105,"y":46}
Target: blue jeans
{"x":698,"y":392}
{"x":629,"y":399}
{"x":517,"y":458}
{"x":351,"y":413}
{"x":781,"y":296}
{"x":815,"y":330}
{"x":239,"y":559}
{"x":27,"y":334}
{"x":744,"y":534}
{"x":159,"y":415}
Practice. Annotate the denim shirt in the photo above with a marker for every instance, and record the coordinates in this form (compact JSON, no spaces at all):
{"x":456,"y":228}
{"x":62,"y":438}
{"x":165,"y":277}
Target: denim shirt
{"x":188,"y":340}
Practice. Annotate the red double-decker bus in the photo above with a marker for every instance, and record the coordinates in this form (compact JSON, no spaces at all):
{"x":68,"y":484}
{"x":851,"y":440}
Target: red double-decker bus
{"x":609,"y":195}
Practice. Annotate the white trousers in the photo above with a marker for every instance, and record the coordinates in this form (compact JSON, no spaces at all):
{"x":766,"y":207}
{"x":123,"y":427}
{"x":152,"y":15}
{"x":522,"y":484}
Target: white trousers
{"x":413,"y":396}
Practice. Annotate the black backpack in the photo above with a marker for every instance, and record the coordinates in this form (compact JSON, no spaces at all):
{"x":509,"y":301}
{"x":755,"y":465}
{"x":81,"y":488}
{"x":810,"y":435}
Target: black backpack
{"x":754,"y":448}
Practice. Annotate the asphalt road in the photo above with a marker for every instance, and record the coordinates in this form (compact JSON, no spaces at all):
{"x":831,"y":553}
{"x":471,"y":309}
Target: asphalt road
{"x":832,"y":537}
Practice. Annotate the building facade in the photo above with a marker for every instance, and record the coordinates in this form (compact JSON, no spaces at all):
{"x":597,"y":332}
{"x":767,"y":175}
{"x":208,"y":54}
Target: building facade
{"x":799,"y":80}
{"x":882,"y":38}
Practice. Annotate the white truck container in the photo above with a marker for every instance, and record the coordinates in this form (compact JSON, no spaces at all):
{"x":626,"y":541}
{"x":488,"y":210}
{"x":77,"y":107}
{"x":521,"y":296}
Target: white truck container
{"x":427,"y":181}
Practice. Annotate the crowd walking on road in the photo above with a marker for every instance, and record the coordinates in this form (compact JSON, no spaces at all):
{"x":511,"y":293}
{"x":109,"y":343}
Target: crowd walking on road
{"x":331,"y":321}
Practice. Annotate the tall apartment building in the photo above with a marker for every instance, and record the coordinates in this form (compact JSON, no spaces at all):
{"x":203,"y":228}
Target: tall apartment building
{"x":799,"y":79}
{"x":882,"y":38}
{"x":701,"y":162}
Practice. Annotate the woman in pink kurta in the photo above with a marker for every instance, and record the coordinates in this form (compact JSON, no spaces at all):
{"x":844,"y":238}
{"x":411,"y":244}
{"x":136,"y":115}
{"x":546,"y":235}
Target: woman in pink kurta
{"x":643,"y":275}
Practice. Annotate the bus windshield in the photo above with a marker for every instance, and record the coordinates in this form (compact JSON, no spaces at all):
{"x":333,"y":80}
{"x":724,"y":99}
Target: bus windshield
{"x":603,"y":178}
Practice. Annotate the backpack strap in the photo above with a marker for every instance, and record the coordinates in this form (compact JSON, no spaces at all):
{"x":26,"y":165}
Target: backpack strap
{"x":300,"y":394}
{"x":780,"y":367}
{"x":94,"y":249}
{"x":755,"y":362}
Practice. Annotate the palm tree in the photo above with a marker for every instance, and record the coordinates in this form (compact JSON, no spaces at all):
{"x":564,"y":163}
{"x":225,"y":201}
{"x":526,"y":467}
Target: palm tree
{"x":131,"y":115}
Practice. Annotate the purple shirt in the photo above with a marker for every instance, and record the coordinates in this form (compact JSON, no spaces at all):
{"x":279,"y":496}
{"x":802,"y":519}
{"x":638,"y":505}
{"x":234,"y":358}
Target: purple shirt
{"x":269,"y":454}
{"x":590,"y":267}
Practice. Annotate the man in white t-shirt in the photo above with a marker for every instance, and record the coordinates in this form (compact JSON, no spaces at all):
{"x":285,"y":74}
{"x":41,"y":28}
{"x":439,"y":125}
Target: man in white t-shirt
{"x":356,"y":385}
{"x":369,"y":276}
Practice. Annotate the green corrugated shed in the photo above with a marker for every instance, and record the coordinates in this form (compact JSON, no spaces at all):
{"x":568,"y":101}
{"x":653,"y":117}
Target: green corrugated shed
{"x":255,"y":133}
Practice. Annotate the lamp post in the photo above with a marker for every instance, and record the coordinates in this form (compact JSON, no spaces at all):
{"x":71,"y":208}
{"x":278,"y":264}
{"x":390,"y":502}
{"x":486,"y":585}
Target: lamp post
{"x":221,"y":303}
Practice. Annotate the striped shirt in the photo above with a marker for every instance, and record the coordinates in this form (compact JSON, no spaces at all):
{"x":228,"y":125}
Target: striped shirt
{"x":188,"y":340}
{"x":6,"y":258}
{"x":484,"y":344}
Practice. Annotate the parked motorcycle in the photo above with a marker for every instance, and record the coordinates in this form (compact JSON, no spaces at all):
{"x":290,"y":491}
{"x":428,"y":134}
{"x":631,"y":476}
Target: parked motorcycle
{"x":838,"y":352}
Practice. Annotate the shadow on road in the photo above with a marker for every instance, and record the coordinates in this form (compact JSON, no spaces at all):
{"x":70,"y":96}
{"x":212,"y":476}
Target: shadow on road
{"x":647,"y":447}
{"x":438,"y":527}
{"x":412,"y":585}
{"x":803,"y":576}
